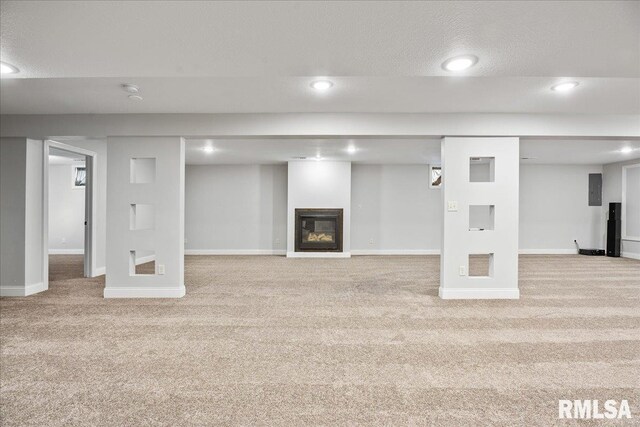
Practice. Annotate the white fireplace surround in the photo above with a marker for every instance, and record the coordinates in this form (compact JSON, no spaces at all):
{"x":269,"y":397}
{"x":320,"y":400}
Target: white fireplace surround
{"x":314,"y":185}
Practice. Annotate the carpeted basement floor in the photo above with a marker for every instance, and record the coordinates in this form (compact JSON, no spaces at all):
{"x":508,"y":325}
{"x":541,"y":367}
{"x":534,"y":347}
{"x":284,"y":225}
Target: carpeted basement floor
{"x":360,"y":341}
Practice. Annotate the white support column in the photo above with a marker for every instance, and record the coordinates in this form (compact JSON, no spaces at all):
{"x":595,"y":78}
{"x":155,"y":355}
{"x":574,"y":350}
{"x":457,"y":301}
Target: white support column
{"x":145,"y":216}
{"x":21,"y":207}
{"x":496,"y":201}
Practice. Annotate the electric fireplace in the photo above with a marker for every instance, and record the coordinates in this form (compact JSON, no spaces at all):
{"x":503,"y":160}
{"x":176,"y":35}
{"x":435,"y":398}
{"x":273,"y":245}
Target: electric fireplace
{"x":318,"y":230}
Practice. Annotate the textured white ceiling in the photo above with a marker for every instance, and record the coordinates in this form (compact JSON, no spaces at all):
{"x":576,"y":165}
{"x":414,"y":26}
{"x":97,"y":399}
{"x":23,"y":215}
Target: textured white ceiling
{"x":400,"y":151}
{"x":260,"y":56}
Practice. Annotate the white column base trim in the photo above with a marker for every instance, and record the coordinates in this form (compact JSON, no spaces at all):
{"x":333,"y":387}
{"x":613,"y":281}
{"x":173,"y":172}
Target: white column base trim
{"x":235,"y":252}
{"x":475,"y":293}
{"x":133,"y":292}
{"x":318,"y":254}
{"x":548,"y":251}
{"x":22,"y":291}
{"x":631,"y":255}
{"x":100,"y":271}
{"x":360,"y":252}
{"x":66,"y":251}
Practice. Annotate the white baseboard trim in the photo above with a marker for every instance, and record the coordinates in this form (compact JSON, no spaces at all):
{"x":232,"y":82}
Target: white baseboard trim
{"x":548,"y":251}
{"x":631,"y":255}
{"x":318,"y":254}
{"x":133,"y":292}
{"x":235,"y":252}
{"x":66,"y":251}
{"x":475,"y":293}
{"x":22,"y":291}
{"x":100,"y":271}
{"x":361,"y":252}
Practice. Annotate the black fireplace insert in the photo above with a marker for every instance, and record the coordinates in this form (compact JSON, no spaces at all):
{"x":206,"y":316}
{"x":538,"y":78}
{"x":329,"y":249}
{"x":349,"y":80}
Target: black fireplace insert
{"x":318,"y":230}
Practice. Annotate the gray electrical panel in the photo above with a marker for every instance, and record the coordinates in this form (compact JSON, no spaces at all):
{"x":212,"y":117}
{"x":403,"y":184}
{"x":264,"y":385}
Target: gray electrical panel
{"x":595,"y":189}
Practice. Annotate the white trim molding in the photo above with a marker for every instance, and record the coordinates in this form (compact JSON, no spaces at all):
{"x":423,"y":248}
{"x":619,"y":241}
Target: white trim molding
{"x":631,"y":255}
{"x":22,"y":291}
{"x":625,"y":235}
{"x":362,"y":252}
{"x":548,"y":251}
{"x":318,"y":254}
{"x":478,"y":293}
{"x":138,"y":292}
{"x":235,"y":252}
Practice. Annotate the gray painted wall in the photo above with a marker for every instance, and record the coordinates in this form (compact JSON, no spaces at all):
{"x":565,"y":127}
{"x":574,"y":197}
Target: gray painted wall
{"x":393,"y":208}
{"x":554,"y":207}
{"x":391,"y":204}
{"x":66,"y":211}
{"x":240,"y":207}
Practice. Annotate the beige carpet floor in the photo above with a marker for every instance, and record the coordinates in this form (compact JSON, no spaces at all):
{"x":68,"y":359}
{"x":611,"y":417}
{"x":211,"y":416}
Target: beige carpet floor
{"x":361,"y":341}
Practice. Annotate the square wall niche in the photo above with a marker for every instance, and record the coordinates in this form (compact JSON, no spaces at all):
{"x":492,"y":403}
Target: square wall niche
{"x":143,"y":170}
{"x":482,"y":169}
{"x":481,"y":265}
{"x":142,"y":263}
{"x":141,"y":217}
{"x":481,"y":217}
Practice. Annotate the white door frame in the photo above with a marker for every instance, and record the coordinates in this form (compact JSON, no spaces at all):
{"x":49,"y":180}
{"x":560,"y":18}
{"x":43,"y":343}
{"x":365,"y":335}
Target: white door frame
{"x":90,"y":208}
{"x":625,"y":235}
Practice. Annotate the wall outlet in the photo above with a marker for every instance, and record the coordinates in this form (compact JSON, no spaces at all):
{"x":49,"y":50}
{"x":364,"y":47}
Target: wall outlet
{"x":277,"y":240}
{"x":63,"y":240}
{"x":463,"y":270}
{"x":452,"y":206}
{"x":160,"y":268}
{"x":371,"y":241}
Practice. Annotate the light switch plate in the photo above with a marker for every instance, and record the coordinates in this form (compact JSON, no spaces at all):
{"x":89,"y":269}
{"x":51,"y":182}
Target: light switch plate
{"x":452,"y":206}
{"x":160,"y":268}
{"x":463,"y":270}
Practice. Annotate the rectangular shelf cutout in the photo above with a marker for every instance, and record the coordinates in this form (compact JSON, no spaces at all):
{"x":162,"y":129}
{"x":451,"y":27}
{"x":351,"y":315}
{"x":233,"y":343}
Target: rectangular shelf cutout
{"x":142,"y":263}
{"x":481,"y":217}
{"x":481,"y":265}
{"x":482,"y":169}
{"x":143,"y":170}
{"x":141,"y":217}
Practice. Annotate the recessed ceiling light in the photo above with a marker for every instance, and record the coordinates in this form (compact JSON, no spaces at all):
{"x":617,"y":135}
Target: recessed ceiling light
{"x":7,"y":68}
{"x":351,"y":149}
{"x":135,"y":97}
{"x":321,"y":85}
{"x":128,"y":87}
{"x":208,"y":149}
{"x":460,"y":63}
{"x":626,"y":150}
{"x":564,"y":86}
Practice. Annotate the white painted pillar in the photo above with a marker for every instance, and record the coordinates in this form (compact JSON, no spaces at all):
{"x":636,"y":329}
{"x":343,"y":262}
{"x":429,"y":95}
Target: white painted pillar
{"x":496,"y":201}
{"x":21,"y":232}
{"x":145,"y":216}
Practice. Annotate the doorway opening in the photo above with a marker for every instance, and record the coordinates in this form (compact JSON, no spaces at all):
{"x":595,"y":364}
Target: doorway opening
{"x":69,"y":212}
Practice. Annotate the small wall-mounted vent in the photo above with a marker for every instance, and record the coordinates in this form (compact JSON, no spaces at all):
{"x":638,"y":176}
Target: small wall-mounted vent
{"x":300,"y":158}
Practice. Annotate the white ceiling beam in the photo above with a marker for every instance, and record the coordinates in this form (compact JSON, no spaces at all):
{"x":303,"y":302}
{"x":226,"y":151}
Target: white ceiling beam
{"x":321,"y":125}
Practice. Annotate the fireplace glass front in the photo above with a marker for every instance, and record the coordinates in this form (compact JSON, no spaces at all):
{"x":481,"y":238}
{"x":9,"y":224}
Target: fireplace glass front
{"x":318,"y":230}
